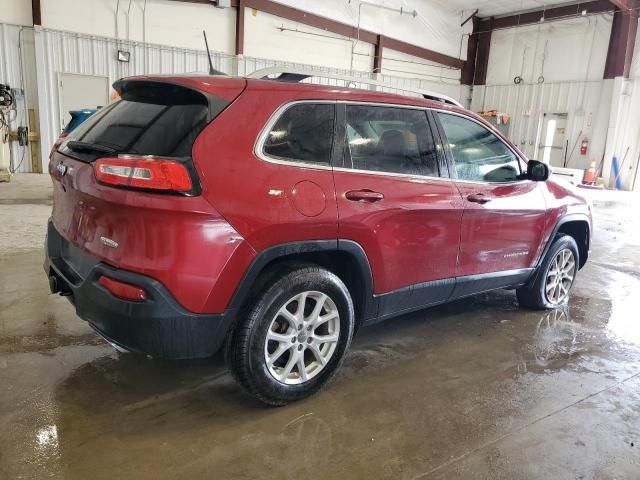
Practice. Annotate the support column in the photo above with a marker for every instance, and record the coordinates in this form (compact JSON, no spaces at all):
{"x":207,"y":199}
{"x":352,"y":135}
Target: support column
{"x":469,"y":69}
{"x":482,"y":55}
{"x":36,"y":12}
{"x":617,"y":69}
{"x":240,"y":28}
{"x":621,"y":43}
{"x":377,"y":54}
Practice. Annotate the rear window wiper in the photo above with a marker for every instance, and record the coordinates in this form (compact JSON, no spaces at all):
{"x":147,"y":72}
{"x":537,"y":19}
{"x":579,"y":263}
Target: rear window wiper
{"x":77,"y":146}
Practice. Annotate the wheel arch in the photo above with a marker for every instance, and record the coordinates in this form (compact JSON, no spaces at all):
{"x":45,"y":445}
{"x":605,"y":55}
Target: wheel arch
{"x":577,"y":226}
{"x":579,"y":230}
{"x":345,"y":258}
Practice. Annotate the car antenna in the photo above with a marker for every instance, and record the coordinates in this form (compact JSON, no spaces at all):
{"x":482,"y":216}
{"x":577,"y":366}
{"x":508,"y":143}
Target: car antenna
{"x":212,"y":71}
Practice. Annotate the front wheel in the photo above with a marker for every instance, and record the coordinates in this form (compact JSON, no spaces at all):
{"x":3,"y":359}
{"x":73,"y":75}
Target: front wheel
{"x":552,"y":284}
{"x":294,"y":338}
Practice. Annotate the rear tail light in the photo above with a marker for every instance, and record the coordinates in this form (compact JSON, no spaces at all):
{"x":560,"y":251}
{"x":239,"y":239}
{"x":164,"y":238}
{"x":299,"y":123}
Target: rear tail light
{"x":123,"y":290}
{"x":147,"y":173}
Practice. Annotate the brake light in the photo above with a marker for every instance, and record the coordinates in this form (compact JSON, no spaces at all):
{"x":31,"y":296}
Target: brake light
{"x":123,"y":290}
{"x":148,"y":173}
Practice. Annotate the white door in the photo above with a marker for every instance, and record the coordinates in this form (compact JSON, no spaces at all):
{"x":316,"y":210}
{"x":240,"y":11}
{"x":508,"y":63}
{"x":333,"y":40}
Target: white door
{"x":79,"y":92}
{"x":553,"y":139}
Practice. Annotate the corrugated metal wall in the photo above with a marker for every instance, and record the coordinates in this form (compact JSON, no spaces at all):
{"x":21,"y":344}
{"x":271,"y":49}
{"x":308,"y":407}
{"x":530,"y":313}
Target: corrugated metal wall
{"x":586,"y":103}
{"x":58,"y":52}
{"x":451,"y":88}
{"x":64,"y":52}
{"x":17,"y":43}
{"x":624,"y":141}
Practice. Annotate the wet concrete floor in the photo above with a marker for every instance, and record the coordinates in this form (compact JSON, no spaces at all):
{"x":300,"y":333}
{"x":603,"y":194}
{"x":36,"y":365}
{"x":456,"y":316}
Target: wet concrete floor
{"x":475,"y":389}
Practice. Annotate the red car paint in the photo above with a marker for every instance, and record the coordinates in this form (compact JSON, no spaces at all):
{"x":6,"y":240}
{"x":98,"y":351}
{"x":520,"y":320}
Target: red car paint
{"x":200,"y":247}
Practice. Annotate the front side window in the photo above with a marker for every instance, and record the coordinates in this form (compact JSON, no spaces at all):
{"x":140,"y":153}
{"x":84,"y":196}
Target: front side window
{"x":303,"y":133}
{"x":479,"y":155}
{"x":391,"y":140}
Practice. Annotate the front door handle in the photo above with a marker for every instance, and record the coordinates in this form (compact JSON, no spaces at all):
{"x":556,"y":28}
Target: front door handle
{"x":364,"y":196}
{"x":480,"y":198}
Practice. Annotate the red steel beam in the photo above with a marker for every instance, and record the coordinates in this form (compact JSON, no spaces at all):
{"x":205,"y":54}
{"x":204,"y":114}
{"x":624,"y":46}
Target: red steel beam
{"x":485,"y":30}
{"x":621,"y":44}
{"x":554,"y":13}
{"x":630,"y":6}
{"x":339,"y":28}
{"x":240,"y":28}
{"x":344,"y":29}
{"x":36,"y":12}
{"x":377,"y":54}
{"x":414,"y":50}
{"x":213,"y":3}
{"x":310,"y":19}
{"x":469,"y":69}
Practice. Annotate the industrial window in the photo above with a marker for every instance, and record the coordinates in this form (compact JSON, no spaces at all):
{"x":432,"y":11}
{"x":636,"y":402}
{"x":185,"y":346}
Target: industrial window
{"x":479,"y":155}
{"x":391,"y":140}
{"x":304,"y":133}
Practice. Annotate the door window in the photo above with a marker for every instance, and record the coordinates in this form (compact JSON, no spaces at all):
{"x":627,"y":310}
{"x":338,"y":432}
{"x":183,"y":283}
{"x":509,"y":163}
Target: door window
{"x":392,"y":140}
{"x":303,"y":133}
{"x":479,"y":155}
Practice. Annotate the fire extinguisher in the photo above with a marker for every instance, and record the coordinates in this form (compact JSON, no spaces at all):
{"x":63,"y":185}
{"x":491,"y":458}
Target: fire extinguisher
{"x":584,"y":146}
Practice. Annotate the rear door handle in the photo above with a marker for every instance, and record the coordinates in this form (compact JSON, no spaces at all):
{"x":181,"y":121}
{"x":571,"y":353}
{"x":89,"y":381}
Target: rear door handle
{"x":480,"y":198}
{"x":364,"y":196}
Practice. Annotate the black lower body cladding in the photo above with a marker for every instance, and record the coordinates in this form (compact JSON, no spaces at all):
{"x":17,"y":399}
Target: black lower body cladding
{"x":159,"y":327}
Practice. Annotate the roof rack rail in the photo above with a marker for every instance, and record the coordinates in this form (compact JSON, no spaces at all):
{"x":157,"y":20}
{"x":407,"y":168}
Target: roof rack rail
{"x":296,"y":75}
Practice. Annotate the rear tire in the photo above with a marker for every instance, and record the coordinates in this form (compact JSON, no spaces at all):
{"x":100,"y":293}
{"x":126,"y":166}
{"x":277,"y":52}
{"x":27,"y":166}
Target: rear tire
{"x":294,"y":337}
{"x":551,"y":286}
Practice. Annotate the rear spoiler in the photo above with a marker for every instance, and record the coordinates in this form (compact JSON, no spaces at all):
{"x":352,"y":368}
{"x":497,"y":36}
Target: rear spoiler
{"x":184,"y":89}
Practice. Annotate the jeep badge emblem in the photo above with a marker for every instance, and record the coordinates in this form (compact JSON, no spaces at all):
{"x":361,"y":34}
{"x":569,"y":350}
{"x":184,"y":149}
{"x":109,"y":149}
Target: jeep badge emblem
{"x":62,"y":169}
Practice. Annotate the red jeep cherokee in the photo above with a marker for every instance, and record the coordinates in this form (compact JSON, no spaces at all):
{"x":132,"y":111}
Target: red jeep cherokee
{"x":277,"y":218}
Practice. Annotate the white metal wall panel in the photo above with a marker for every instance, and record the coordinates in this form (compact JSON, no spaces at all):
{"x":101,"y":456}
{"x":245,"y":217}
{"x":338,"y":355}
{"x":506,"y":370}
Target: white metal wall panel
{"x":625,"y":137}
{"x":12,"y":38}
{"x":586,"y":103}
{"x":450,"y":88}
{"x":65,"y":52}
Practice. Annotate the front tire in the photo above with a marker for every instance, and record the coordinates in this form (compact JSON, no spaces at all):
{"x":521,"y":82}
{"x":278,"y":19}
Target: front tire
{"x":294,"y":338}
{"x":554,"y":279}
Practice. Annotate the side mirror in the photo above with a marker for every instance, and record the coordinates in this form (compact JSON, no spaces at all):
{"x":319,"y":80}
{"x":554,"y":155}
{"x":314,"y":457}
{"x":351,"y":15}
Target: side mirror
{"x":538,"y":171}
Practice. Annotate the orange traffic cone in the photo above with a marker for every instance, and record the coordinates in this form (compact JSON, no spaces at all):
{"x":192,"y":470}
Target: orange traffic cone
{"x":590,"y":175}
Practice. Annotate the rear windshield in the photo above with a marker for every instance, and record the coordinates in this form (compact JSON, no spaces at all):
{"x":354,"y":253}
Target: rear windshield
{"x":151,"y":119}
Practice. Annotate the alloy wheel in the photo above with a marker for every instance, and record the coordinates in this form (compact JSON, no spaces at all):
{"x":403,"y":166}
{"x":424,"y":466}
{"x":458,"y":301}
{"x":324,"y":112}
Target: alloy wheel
{"x":302,"y":337}
{"x":560,"y":276}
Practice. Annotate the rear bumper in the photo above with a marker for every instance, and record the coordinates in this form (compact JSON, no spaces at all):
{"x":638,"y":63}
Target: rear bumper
{"x":159,"y":327}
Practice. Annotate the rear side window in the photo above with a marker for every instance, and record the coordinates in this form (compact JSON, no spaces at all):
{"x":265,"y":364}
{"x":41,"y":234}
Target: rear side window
{"x":303,"y":133}
{"x":392,"y":140}
{"x":479,"y":155}
{"x":151,"y":119}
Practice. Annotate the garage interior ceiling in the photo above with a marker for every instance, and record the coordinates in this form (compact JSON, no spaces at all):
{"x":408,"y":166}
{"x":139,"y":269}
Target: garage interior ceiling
{"x":488,"y":8}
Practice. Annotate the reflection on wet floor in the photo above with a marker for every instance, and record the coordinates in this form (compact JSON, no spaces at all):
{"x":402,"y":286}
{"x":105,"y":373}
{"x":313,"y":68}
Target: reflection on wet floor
{"x":476,"y":389}
{"x":25,"y":201}
{"x":557,"y":340}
